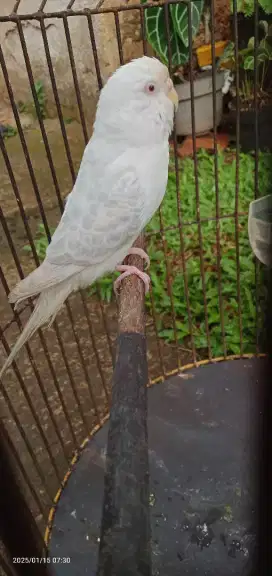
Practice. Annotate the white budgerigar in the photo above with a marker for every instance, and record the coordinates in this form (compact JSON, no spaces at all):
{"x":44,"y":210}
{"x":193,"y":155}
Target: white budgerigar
{"x":121,"y":183}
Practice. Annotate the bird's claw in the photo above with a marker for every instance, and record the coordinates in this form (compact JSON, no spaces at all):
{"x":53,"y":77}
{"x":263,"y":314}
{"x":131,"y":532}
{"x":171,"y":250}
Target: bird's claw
{"x":140,"y":252}
{"x":128,"y":271}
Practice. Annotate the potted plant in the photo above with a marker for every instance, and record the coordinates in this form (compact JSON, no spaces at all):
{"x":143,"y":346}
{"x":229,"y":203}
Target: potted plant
{"x":247,"y":93}
{"x":179,"y":41}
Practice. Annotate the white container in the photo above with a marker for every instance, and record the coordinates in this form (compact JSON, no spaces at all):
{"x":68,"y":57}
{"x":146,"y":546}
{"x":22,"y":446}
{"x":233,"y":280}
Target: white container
{"x":260,"y":229}
{"x":203,"y":101}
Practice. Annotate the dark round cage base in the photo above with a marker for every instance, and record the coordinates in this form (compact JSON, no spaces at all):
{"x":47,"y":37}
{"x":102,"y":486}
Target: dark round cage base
{"x":201,"y":452}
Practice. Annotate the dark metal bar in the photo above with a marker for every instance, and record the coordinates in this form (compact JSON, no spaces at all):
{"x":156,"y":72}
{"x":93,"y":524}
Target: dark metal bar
{"x":125,"y":530}
{"x":118,"y":37}
{"x":256,"y":171}
{"x":155,"y":325}
{"x":143,"y":32}
{"x":202,"y":270}
{"x":237,"y":72}
{"x":218,"y":247}
{"x":16,"y":6}
{"x":70,"y":5}
{"x":42,"y":6}
{"x":95,"y":55}
{"x":13,"y":17}
{"x":181,"y":239}
{"x":19,"y":533}
{"x":75,"y":78}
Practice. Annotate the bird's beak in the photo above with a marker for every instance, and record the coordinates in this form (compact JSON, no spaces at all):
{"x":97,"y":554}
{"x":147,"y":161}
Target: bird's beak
{"x":172,"y":95}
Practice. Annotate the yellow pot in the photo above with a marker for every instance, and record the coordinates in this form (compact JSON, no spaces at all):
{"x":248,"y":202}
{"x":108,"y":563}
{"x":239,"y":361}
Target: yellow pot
{"x":204,"y":53}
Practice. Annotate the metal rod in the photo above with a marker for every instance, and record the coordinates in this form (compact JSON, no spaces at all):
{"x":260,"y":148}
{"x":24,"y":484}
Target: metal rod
{"x":125,"y":530}
{"x":237,"y":75}
{"x":199,"y":229}
{"x":217,"y":203}
{"x":13,"y":17}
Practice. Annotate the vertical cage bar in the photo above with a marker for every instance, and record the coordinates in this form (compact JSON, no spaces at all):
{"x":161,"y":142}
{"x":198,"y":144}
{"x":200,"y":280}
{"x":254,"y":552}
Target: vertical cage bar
{"x":118,"y":36}
{"x":237,"y":183}
{"x":143,"y":33}
{"x":75,"y":78}
{"x":256,"y":171}
{"x":95,"y":55}
{"x":200,"y":239}
{"x":218,"y":247}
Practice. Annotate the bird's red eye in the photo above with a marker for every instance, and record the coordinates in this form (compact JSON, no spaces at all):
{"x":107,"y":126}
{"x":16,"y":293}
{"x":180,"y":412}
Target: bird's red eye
{"x":151,"y":87}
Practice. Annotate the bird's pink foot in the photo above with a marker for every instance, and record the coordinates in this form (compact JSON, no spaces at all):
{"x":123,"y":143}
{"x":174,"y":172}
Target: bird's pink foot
{"x":140,"y":252}
{"x":128,"y":271}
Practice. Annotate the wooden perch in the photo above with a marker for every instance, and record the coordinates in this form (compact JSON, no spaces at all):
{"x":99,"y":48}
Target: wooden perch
{"x":132,"y":297}
{"x":125,"y":529}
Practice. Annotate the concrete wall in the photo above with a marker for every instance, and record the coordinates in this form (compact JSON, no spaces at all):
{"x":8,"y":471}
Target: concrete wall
{"x":105,"y":34}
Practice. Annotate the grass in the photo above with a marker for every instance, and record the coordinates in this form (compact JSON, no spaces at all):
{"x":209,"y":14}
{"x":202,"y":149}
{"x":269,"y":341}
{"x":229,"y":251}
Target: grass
{"x":228,"y":261}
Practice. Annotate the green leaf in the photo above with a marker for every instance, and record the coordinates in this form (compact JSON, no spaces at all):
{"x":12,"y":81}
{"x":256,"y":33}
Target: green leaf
{"x":266,"y":6}
{"x":251,"y":43}
{"x":264,"y":24}
{"x":156,"y":35}
{"x":179,"y":14}
{"x":249,"y":63}
{"x":178,"y":24}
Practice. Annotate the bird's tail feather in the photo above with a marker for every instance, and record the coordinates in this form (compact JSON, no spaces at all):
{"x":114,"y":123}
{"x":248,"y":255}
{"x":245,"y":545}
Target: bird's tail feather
{"x":45,"y":276}
{"x":46,"y":308}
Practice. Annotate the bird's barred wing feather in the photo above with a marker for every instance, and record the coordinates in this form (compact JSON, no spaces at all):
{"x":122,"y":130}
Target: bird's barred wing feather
{"x":101,"y":216}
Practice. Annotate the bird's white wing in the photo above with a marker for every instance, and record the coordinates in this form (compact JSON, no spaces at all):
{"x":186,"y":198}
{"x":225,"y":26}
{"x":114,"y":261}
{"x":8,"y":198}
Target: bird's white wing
{"x":102,"y":215}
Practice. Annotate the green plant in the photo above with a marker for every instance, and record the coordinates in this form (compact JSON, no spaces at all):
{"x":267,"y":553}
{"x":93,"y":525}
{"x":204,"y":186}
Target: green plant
{"x":186,"y":197}
{"x":246,"y":60}
{"x":39,"y":88}
{"x":9,"y":131}
{"x":155,"y":26}
{"x":29,"y":107}
{"x":246,"y":7}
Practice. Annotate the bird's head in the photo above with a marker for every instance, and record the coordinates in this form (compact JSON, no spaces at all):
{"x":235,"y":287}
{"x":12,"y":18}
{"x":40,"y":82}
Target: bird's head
{"x":138,"y":98}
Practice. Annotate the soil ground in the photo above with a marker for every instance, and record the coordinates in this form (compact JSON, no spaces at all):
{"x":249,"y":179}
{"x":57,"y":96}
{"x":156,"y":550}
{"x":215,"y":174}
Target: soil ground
{"x":87,"y":342}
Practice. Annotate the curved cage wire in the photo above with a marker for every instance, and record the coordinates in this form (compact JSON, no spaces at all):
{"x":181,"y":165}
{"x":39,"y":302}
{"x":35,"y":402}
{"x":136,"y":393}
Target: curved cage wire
{"x":200,"y":306}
